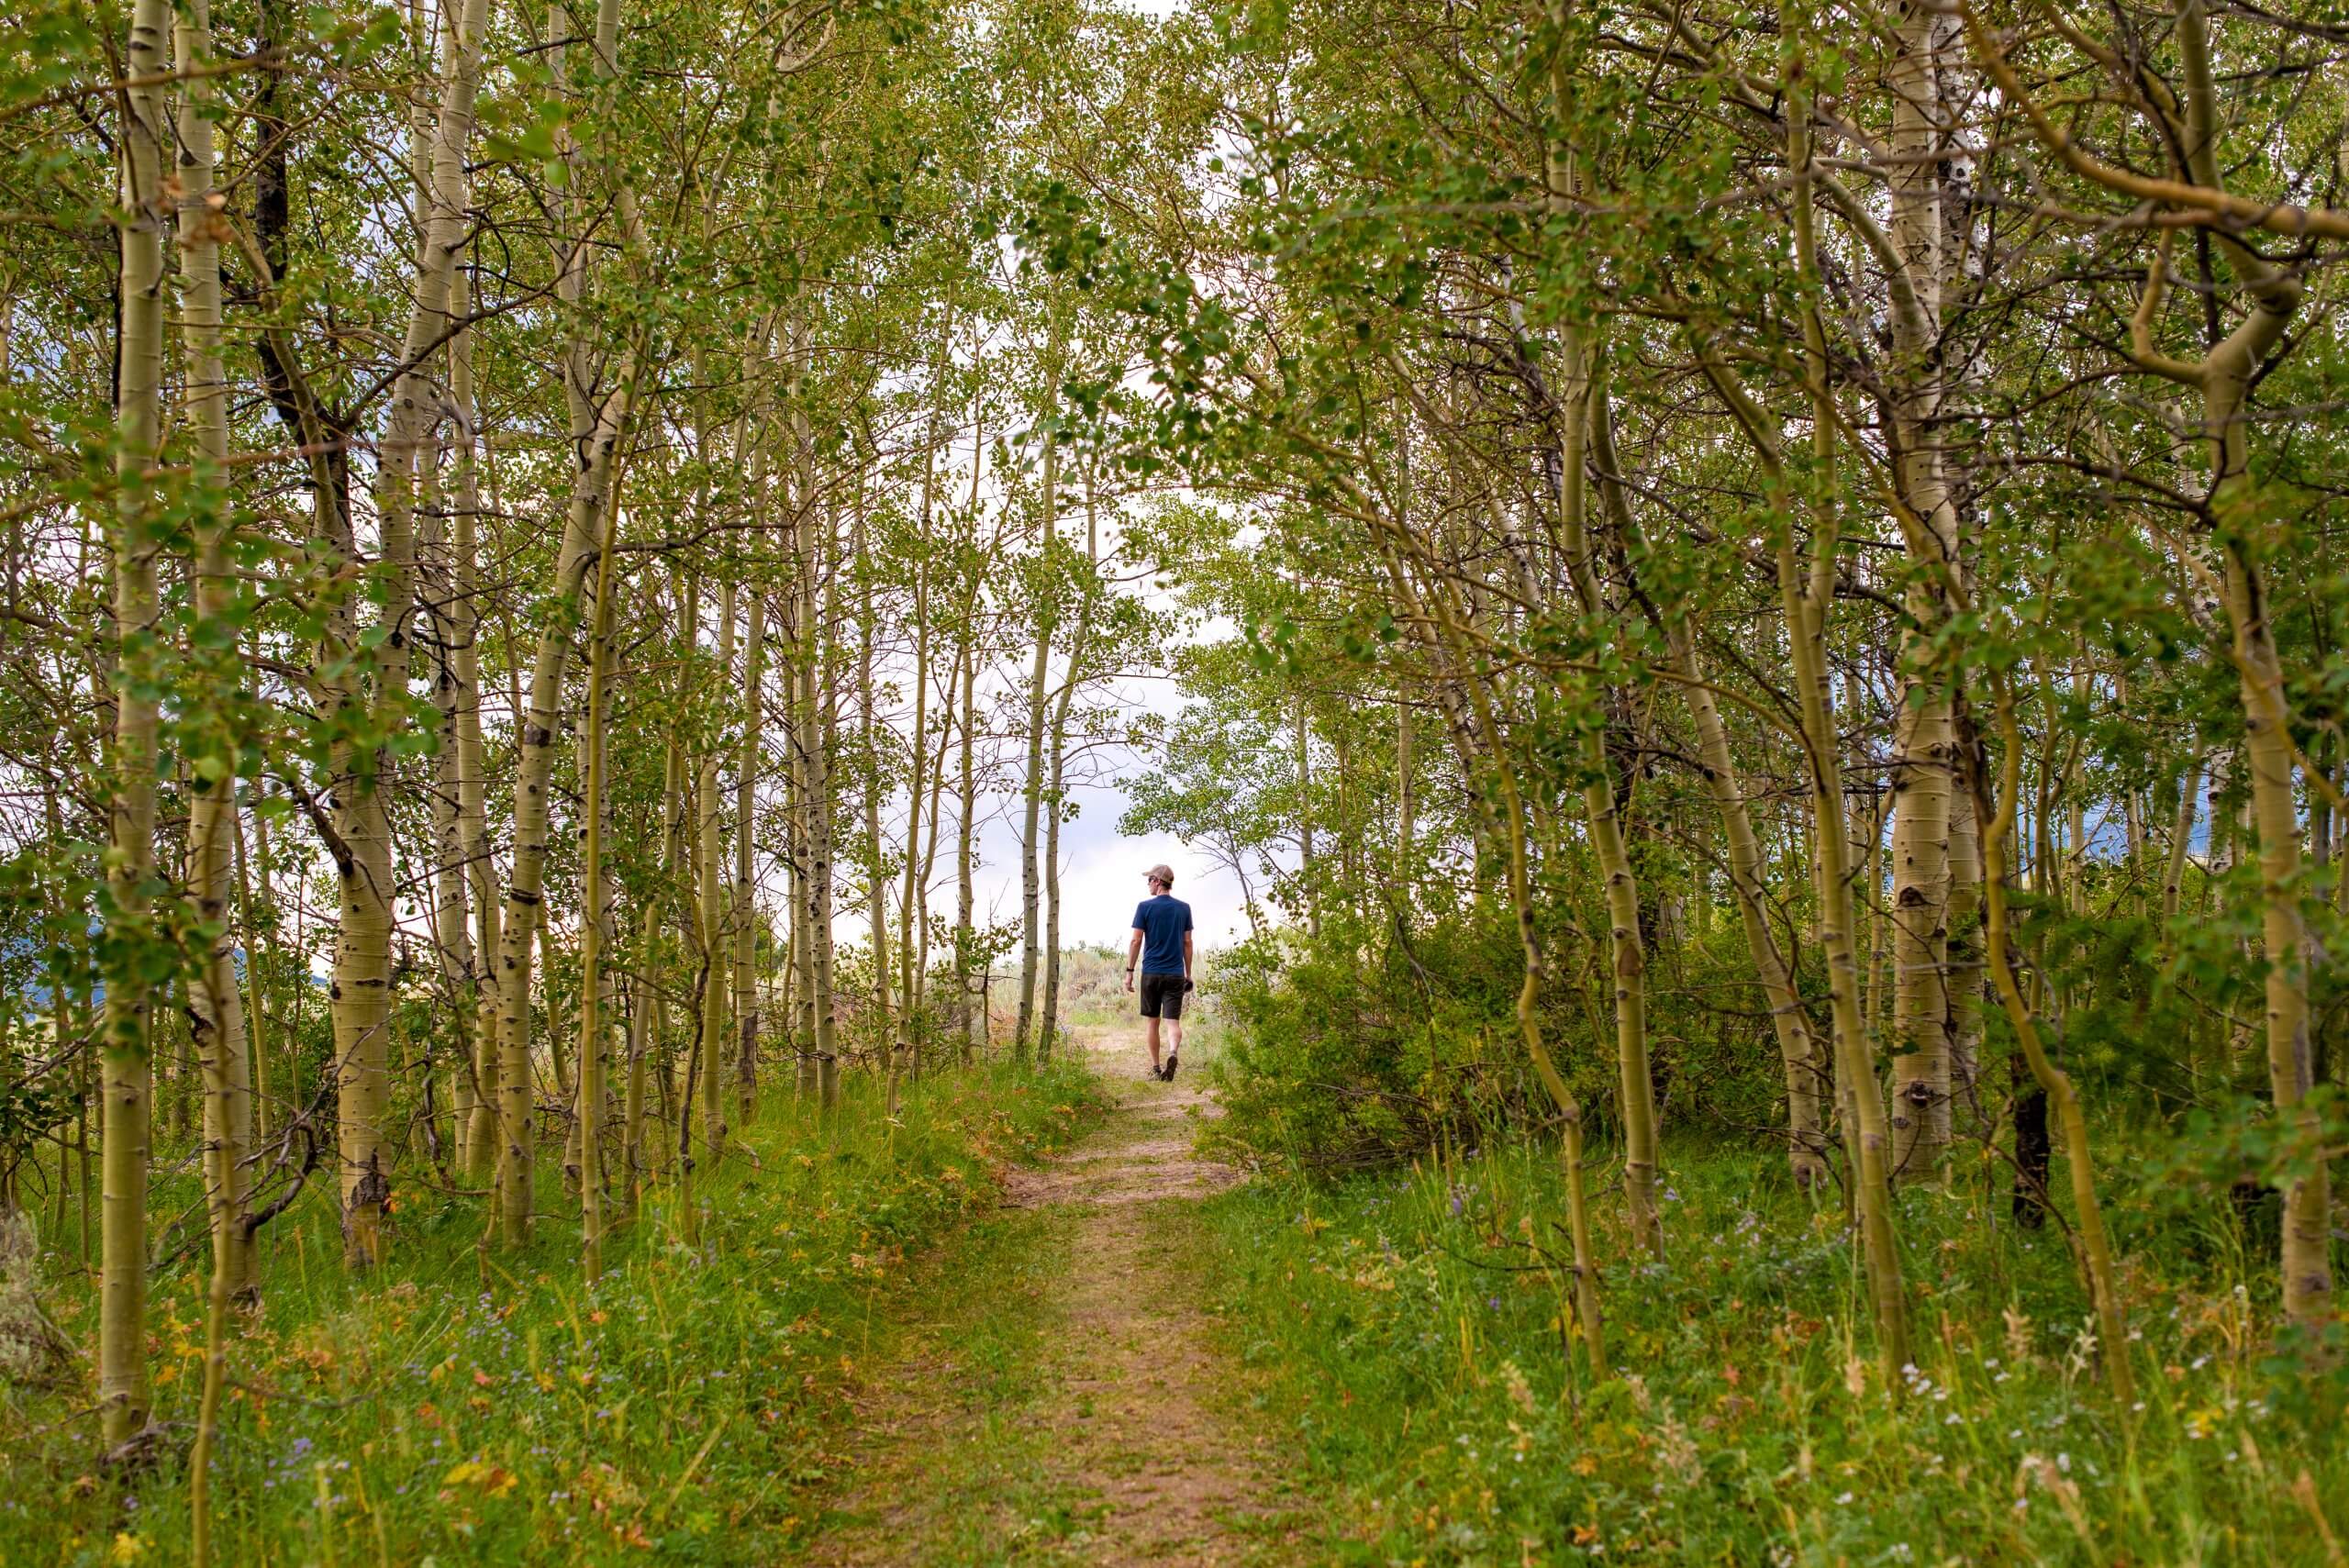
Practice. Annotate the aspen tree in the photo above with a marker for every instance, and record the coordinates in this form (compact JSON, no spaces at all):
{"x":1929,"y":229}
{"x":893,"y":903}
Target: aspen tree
{"x":1076,"y":675}
{"x":876,"y":908}
{"x":215,"y":1015}
{"x":360,"y":994}
{"x":1444,"y":627}
{"x":1627,"y":956}
{"x":1033,"y":792}
{"x":913,"y":943}
{"x":1789,"y":1021}
{"x":599,"y":407}
{"x":482,"y":1142}
{"x":967,"y":962}
{"x":1923,"y":745}
{"x":1602,"y":823}
{"x":2222,"y":379}
{"x":1805,"y":592}
{"x":1806,"y":603}
{"x":596,"y":920}
{"x":127,"y":1024}
{"x":813,"y":725}
{"x":802,"y":1013}
{"x":746,"y":784}
{"x":708,"y":851}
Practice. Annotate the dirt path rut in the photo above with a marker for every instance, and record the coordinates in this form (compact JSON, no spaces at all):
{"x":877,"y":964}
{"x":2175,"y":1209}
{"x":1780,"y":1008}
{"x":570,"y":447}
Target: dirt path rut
{"x":1069,"y":1403}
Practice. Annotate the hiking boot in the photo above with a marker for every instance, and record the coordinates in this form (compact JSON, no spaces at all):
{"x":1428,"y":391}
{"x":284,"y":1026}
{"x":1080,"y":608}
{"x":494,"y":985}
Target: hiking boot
{"x":1172,"y":1057}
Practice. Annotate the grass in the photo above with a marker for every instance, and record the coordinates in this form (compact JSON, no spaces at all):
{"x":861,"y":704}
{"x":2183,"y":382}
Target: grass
{"x":1401,"y":1330}
{"x":684,"y":1410}
{"x":972,"y":1482}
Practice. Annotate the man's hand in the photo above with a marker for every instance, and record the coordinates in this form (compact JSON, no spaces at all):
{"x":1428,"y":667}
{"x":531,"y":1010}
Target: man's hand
{"x":1129,"y":979}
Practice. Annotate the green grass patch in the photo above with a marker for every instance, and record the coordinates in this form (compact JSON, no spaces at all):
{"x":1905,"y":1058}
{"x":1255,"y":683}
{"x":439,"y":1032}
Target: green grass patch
{"x":1402,"y":1330}
{"x":681,"y":1410}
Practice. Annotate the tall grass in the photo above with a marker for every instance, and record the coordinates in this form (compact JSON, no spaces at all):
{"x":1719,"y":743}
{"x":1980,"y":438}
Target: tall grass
{"x":1408,"y":1327}
{"x":469,"y":1406}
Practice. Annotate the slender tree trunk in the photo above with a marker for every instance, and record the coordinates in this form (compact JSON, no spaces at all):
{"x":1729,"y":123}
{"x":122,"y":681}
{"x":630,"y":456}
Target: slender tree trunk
{"x":677,"y":871}
{"x":2095,"y":1246}
{"x":815,"y":725}
{"x":1627,"y":947}
{"x":2181,"y":839}
{"x":1797,"y":1048}
{"x":259,"y":950}
{"x":600,"y":409}
{"x":803,"y":947}
{"x":1806,"y":599}
{"x":482,"y":1140}
{"x":1302,"y":745}
{"x":597,"y":917}
{"x":868,"y":738}
{"x":746,"y":921}
{"x":1924,"y":746}
{"x":968,"y":965}
{"x":709,"y":833}
{"x":1476,"y":730}
{"x":1079,"y":650}
{"x":360,"y":994}
{"x":1032,"y":791}
{"x":913,"y":916}
{"x":126,"y":1027}
{"x":215,"y":1015}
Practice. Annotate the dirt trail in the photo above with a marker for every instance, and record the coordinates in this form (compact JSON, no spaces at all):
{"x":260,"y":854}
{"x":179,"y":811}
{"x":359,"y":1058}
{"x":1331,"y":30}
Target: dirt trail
{"x":1068,"y":1406}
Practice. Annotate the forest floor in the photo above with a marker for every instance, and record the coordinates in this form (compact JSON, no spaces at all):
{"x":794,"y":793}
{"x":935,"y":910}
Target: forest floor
{"x":1052,"y":1389}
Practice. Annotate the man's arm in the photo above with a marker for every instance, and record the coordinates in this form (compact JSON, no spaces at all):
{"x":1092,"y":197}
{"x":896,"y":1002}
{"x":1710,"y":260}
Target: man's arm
{"x":1186,"y":955}
{"x":1133,"y":956}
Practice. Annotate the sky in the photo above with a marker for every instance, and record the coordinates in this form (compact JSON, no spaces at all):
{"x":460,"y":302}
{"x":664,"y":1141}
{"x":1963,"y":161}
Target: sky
{"x":1102,"y":872}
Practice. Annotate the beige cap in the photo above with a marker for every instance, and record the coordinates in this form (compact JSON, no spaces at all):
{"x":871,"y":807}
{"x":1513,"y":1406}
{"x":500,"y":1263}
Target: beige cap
{"x":1163,"y":873}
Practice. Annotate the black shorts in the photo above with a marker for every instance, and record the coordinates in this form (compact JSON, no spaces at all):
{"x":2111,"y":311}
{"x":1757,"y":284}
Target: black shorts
{"x":1162,"y":996}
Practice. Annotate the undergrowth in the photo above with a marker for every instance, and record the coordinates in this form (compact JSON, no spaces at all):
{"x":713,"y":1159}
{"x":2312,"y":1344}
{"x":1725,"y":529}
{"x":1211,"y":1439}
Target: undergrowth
{"x":1415,"y":1345}
{"x":488,"y":1408}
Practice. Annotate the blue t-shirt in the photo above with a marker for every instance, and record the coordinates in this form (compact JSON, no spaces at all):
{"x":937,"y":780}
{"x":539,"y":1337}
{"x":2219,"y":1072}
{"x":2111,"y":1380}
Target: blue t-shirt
{"x":1162,"y":922}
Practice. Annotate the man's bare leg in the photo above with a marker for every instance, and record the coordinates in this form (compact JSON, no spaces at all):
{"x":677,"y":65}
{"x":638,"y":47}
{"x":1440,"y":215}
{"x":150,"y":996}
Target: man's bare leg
{"x":1174,"y":1038}
{"x":1150,"y":1032}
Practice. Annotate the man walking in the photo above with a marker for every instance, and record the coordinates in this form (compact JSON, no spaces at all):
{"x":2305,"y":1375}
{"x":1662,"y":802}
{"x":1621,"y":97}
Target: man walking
{"x":1161,"y":945}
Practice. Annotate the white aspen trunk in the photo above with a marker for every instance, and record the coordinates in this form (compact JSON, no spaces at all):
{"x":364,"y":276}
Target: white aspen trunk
{"x":973,"y":978}
{"x":745,"y":904}
{"x":1924,"y":744}
{"x":595,"y":924}
{"x":1079,"y":650}
{"x":822,"y":807}
{"x":803,"y":947}
{"x":869,"y":730}
{"x":600,"y":408}
{"x":1032,"y":789}
{"x":127,"y":1025}
{"x":473,"y":814}
{"x":677,"y":871}
{"x":360,"y":993}
{"x":1302,"y":746}
{"x":217,"y":1011}
{"x":913,"y":916}
{"x":708,"y":836}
